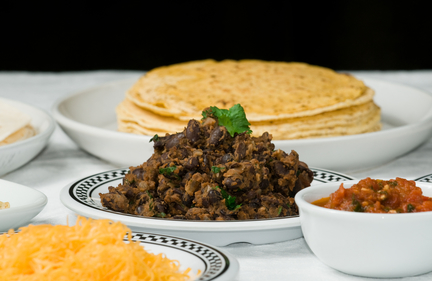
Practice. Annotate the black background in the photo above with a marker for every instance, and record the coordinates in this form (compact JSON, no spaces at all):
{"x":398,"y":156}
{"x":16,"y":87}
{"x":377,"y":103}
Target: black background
{"x":343,"y":35}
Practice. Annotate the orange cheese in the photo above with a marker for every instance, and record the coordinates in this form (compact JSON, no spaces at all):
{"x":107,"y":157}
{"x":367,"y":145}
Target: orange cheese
{"x":90,"y":250}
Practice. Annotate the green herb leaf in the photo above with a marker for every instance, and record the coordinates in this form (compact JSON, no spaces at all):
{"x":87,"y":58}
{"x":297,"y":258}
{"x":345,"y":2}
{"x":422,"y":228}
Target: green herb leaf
{"x":161,"y":215}
{"x":234,"y":119}
{"x":155,"y":138}
{"x":357,"y":206}
{"x":206,"y":113}
{"x":393,"y":183}
{"x":279,"y":210}
{"x":149,"y":194}
{"x":128,"y":182}
{"x":410,"y":208}
{"x":229,"y":200}
{"x":167,"y":171}
{"x":216,"y":170}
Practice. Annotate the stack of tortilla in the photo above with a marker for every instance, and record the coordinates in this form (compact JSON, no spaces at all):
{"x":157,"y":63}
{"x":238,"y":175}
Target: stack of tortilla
{"x":14,"y":125}
{"x":288,"y":100}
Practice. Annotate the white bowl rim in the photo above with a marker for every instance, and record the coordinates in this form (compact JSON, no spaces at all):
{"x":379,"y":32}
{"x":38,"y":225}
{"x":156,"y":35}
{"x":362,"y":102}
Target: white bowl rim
{"x":63,"y":120}
{"x":41,"y":135}
{"x":42,"y":199}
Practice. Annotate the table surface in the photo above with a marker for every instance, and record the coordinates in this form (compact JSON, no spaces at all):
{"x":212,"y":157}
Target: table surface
{"x":62,"y":162}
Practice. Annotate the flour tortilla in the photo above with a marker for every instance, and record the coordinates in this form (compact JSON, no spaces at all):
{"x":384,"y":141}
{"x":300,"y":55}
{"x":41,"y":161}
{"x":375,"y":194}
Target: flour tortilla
{"x":14,"y":124}
{"x":266,"y":90}
{"x":353,"y":120}
{"x":11,"y":120}
{"x":22,"y":134}
{"x":348,"y":121}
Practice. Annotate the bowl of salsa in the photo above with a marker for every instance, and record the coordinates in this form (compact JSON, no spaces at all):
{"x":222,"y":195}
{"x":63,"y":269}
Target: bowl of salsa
{"x":370,"y":227}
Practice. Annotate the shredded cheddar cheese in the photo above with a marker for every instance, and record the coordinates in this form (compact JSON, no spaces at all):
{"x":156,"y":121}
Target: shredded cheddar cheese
{"x":90,"y":250}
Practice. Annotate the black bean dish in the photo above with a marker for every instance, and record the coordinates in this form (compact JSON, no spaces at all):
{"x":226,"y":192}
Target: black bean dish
{"x":213,"y":170}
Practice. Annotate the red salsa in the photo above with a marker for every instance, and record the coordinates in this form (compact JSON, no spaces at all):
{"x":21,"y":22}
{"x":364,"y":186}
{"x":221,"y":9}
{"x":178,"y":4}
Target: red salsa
{"x":378,"y":196}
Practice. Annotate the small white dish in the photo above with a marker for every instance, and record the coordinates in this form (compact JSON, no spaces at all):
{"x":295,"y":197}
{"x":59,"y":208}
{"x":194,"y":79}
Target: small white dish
{"x":15,"y":155}
{"x":25,"y":204}
{"x":212,"y":263}
{"x":366,"y":244}
{"x":89,"y":119}
{"x":83,"y":198}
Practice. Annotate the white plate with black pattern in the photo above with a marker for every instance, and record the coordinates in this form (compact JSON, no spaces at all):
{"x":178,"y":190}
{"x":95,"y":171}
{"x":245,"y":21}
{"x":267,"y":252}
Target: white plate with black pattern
{"x":82,"y":197}
{"x":426,"y":178}
{"x":205,"y":262}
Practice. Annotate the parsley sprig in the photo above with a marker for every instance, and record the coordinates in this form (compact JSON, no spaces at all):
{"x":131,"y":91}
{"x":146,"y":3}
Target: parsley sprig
{"x":234,"y":119}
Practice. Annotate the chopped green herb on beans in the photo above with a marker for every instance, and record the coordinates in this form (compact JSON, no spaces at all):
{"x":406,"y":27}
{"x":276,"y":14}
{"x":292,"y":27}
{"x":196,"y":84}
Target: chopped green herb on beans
{"x":279,"y":210}
{"x":229,"y":200}
{"x":167,"y":171}
{"x":217,"y":169}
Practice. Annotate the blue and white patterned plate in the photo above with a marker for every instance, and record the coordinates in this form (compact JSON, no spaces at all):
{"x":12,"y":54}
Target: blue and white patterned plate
{"x":83,"y":198}
{"x":209,"y":262}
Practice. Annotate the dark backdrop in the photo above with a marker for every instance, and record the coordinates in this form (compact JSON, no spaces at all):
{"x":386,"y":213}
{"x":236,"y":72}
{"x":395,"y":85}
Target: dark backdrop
{"x":349,"y":35}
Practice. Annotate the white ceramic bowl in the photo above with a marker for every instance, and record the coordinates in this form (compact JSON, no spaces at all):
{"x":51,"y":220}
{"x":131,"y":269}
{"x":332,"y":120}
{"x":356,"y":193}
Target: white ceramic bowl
{"x":365,"y":244}
{"x":13,"y":156}
{"x":25,"y":204}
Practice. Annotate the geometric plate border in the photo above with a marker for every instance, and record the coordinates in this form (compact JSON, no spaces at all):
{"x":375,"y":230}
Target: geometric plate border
{"x":216,"y":263}
{"x":81,"y":191}
{"x":426,"y":178}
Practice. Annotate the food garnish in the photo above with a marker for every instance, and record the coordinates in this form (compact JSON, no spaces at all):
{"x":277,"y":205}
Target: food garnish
{"x":230,"y":201}
{"x":167,"y":171}
{"x":213,"y":170}
{"x":154,"y":138}
{"x":90,"y":250}
{"x":378,"y":196}
{"x":234,"y":119}
{"x":217,"y":169}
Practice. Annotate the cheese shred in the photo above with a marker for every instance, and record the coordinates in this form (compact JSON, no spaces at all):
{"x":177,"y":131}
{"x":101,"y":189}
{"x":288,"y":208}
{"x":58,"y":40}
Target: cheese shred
{"x":90,"y":250}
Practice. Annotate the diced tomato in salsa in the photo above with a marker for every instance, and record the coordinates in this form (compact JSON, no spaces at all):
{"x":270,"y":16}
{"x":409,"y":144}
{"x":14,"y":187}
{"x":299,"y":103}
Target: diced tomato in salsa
{"x":378,"y":196}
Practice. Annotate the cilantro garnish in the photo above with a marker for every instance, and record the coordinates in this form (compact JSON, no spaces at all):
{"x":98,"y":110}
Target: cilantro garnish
{"x":216,"y":170}
{"x":279,"y":210}
{"x":161,"y":215}
{"x":149,"y":194}
{"x":234,"y":119}
{"x":167,"y":171}
{"x":128,"y":182}
{"x":155,"y":138}
{"x":410,"y":208}
{"x":206,"y":113}
{"x":229,"y":200}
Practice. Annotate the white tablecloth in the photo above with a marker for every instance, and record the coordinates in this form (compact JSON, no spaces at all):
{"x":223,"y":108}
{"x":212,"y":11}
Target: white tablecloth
{"x":63,"y":162}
